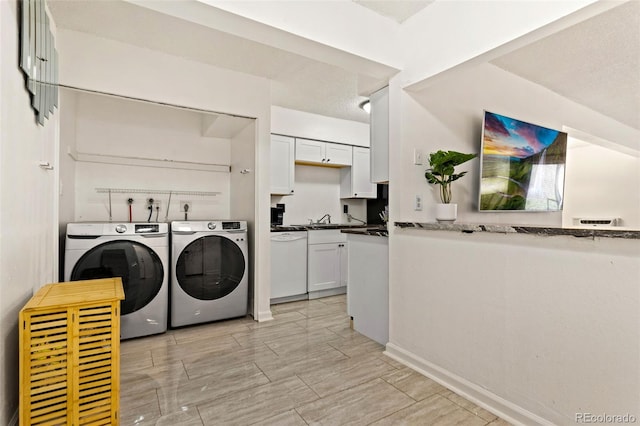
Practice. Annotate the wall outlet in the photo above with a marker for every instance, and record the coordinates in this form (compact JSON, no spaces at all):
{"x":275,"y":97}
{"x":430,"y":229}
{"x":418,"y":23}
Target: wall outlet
{"x":418,"y":203}
{"x":185,"y":206}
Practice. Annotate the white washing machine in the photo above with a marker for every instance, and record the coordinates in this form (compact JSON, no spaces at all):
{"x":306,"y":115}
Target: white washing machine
{"x":209,"y":277}
{"x":136,"y":252}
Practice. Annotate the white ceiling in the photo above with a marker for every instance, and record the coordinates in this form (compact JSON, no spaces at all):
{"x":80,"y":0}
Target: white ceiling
{"x":595,"y":63}
{"x":398,"y":10}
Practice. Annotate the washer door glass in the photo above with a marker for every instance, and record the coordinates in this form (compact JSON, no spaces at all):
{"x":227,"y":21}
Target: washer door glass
{"x":139,"y":267}
{"x":210,"y":267}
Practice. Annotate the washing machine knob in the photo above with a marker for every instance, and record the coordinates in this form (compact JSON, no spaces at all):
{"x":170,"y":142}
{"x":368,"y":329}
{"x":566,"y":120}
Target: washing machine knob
{"x":211,"y":225}
{"x":121,"y":228}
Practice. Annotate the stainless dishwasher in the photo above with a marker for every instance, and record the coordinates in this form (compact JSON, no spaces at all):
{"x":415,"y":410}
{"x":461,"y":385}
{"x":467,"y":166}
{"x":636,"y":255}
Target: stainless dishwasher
{"x":288,"y":266}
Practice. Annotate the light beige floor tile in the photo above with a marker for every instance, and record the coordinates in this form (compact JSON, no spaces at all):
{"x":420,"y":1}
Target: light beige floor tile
{"x":135,"y":383}
{"x":434,"y":411}
{"x":277,"y":368}
{"x":288,"y":418}
{"x":341,"y":298}
{"x":319,"y":310}
{"x":326,"y":321}
{"x":146,"y":343}
{"x":253,"y":405}
{"x":278,"y":319}
{"x":345,"y":374}
{"x":357,"y":345}
{"x":143,"y":415}
{"x":193,"y":349}
{"x":499,"y":422}
{"x":188,"y":415}
{"x":208,"y":388}
{"x":392,"y":361}
{"x":289,"y":306}
{"x":135,"y":361}
{"x":210,"y":330}
{"x":144,"y":401}
{"x":413,"y":384}
{"x":358,"y":405}
{"x":468,"y":405}
{"x":260,"y":335}
{"x":302,"y":342}
{"x":203,"y":365}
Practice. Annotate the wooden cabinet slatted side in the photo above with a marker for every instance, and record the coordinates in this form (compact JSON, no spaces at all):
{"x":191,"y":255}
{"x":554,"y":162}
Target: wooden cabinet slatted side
{"x":70,"y":354}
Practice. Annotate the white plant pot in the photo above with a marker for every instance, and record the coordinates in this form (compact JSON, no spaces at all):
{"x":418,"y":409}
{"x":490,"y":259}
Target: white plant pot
{"x":446,"y":213}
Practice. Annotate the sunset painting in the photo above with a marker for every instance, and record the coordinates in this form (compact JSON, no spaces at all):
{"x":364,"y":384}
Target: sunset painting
{"x":522,"y":165}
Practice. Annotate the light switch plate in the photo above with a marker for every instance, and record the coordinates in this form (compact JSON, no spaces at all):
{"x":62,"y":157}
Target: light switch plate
{"x":418,"y":157}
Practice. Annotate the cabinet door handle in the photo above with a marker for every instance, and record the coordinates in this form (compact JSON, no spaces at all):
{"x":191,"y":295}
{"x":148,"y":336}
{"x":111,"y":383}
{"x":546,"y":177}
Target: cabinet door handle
{"x":328,"y":159}
{"x":323,"y":160}
{"x":356,"y":194}
{"x":292,"y":191}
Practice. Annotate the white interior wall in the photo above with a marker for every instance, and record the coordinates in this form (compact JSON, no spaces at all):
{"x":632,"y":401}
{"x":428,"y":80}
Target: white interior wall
{"x":242,"y":187}
{"x":306,"y":125}
{"x":95,"y":63}
{"x":601,"y":183}
{"x":538,"y":328}
{"x":448,"y":115}
{"x":117,"y":127}
{"x":501,"y":328}
{"x":28,"y":236}
{"x":318,"y":193}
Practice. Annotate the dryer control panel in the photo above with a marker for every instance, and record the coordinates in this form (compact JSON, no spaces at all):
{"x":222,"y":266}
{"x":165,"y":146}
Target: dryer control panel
{"x":230,"y":225}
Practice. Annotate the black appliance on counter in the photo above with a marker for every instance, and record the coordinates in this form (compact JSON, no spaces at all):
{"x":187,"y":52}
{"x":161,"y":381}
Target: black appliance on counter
{"x":277,"y":214}
{"x":376,"y":205}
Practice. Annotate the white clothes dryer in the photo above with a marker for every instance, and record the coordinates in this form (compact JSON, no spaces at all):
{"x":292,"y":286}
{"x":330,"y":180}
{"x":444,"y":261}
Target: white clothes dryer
{"x":136,"y":252}
{"x":209,"y":278}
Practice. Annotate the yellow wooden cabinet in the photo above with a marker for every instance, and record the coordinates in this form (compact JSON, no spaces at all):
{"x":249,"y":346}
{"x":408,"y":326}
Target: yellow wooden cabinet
{"x":70,"y":354}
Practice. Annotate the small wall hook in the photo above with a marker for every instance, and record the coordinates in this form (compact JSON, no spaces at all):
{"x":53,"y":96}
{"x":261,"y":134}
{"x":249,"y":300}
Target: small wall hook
{"x":245,"y":171}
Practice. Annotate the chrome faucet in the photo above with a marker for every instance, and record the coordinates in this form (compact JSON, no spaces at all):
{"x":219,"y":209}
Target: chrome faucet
{"x":350,"y":218}
{"x":328,"y":216}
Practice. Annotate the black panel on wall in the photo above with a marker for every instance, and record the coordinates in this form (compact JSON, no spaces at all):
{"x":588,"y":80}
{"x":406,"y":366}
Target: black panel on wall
{"x":377,"y":205}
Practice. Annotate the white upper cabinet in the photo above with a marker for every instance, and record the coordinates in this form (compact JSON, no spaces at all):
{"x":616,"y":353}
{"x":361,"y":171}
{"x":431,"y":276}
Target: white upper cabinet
{"x":282,"y":165}
{"x":379,"y":133}
{"x":355,"y":181}
{"x":323,"y":153}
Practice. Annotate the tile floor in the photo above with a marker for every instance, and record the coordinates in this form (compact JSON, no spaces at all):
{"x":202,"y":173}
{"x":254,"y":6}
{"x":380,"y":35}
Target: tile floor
{"x":304,"y":367}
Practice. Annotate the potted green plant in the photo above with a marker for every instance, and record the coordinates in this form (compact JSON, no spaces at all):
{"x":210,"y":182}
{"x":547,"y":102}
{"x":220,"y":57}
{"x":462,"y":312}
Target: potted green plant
{"x":441,"y":172}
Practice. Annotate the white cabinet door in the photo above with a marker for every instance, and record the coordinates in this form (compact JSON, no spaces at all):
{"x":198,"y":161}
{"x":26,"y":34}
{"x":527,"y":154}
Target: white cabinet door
{"x":282,"y":165}
{"x":355,"y":181}
{"x":338,"y":155}
{"x":323,"y":153}
{"x":344,"y":263}
{"x":311,"y":151}
{"x":323,"y":270}
{"x":379,"y":135}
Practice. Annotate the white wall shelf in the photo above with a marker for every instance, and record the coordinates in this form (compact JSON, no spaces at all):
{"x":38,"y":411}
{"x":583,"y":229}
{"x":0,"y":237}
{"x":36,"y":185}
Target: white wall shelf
{"x":147,"y":162}
{"x":156,"y":192}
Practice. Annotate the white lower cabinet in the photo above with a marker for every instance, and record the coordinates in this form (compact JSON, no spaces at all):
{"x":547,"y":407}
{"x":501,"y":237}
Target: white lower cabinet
{"x":327,"y":263}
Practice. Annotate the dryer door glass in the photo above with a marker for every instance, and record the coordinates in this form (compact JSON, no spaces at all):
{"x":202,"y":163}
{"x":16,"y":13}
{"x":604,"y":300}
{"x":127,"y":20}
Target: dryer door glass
{"x":139,"y":267}
{"x":210,"y":267}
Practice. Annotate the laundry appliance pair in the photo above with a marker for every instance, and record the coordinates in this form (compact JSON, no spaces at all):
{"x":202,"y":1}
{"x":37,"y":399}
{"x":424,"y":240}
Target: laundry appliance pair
{"x":195,"y":272}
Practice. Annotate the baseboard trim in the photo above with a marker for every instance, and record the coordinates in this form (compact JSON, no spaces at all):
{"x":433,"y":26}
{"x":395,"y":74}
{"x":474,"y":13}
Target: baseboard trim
{"x":265,"y":316}
{"x":482,"y":397}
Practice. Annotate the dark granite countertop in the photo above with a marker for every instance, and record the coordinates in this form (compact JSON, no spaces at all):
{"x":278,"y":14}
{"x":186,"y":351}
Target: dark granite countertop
{"x":315,"y":227}
{"x":376,"y":231}
{"x":522,"y":229}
